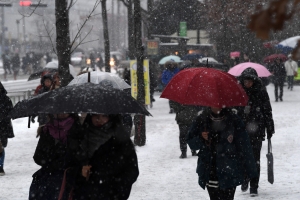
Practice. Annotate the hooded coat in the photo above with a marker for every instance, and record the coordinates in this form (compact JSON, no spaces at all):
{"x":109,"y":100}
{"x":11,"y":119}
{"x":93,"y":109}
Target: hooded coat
{"x":257,"y":115}
{"x":229,"y":154}
{"x":6,"y":129}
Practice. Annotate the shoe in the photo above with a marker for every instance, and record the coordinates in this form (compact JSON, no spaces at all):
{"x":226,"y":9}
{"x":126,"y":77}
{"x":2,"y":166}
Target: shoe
{"x":245,"y":186}
{"x":194,"y":153}
{"x":153,"y":100}
{"x":281,"y":99}
{"x":183,"y":155}
{"x":253,"y":192}
{"x":2,"y":173}
{"x":276,"y":100}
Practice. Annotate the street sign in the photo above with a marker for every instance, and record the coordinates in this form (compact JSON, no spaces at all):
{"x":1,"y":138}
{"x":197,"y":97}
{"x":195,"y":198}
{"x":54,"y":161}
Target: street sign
{"x":183,"y":29}
{"x":152,"y":47}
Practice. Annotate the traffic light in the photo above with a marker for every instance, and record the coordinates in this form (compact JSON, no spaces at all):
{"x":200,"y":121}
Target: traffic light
{"x":30,"y":4}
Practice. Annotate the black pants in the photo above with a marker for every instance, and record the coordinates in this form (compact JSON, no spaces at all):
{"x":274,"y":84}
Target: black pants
{"x":183,"y":131}
{"x":290,"y":80}
{"x":256,"y":147}
{"x":221,"y":194}
{"x":280,"y":85}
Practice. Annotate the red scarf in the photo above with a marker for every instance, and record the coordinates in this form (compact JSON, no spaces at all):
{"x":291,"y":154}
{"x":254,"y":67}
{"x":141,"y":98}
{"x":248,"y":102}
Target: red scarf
{"x":59,"y":128}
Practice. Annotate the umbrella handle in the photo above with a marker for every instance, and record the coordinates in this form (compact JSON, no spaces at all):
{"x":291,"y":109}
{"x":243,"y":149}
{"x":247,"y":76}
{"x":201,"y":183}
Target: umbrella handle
{"x":29,"y":121}
{"x":89,"y":77}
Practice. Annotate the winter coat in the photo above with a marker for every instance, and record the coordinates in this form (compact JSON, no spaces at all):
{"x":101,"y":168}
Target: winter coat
{"x":257,"y":115}
{"x":290,"y":67}
{"x":168,"y":74}
{"x":114,"y":163}
{"x":279,"y":73}
{"x":6,"y":128}
{"x":185,"y":114}
{"x":50,"y":154}
{"x":16,"y":63}
{"x":233,"y":159}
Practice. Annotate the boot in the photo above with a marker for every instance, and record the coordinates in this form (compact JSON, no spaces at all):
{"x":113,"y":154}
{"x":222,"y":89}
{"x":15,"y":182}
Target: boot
{"x":194,"y":153}
{"x":2,"y":173}
{"x":253,"y":192}
{"x":245,"y":186}
{"x":183,"y":155}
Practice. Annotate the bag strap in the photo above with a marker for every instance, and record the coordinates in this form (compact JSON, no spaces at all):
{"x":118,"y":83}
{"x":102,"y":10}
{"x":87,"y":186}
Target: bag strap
{"x":63,"y":185}
{"x":269,"y":146}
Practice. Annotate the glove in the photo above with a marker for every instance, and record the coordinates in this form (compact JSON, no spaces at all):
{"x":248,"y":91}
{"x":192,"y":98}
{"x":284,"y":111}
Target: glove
{"x":32,"y":119}
{"x":269,"y":134}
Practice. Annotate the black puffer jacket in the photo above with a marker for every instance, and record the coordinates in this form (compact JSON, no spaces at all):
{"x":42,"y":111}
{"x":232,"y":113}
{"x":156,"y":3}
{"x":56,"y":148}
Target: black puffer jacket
{"x":6,"y":129}
{"x":257,"y":115}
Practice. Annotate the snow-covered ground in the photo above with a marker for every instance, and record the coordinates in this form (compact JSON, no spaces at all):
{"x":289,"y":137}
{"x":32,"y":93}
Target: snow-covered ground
{"x":163,"y":176}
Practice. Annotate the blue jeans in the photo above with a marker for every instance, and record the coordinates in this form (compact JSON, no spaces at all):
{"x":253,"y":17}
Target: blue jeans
{"x":2,"y":158}
{"x":290,"y":80}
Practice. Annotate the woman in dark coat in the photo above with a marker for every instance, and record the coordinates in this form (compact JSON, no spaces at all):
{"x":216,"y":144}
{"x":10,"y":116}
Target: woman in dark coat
{"x":106,"y":159}
{"x":6,"y":129}
{"x":50,"y":154}
{"x":257,"y":116}
{"x":225,"y":154}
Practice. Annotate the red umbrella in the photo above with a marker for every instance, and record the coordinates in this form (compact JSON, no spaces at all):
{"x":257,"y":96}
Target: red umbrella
{"x":272,"y":57}
{"x":205,"y":87}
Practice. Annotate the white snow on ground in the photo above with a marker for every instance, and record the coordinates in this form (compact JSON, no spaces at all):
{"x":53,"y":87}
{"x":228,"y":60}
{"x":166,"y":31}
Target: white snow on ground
{"x":163,"y":176}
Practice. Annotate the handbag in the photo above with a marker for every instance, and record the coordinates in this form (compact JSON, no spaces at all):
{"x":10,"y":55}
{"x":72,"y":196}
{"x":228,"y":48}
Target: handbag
{"x":270,"y":163}
{"x":295,"y":74}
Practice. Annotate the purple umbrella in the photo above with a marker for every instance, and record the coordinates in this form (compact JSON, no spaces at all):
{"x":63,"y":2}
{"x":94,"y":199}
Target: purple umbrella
{"x":261,"y":70}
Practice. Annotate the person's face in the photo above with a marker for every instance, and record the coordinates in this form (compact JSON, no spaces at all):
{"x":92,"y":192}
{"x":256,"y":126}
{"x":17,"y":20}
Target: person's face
{"x":61,"y":115}
{"x":248,"y":83}
{"x":216,"y":110}
{"x":99,"y":119}
{"x":48,"y":82}
{"x":57,"y":80}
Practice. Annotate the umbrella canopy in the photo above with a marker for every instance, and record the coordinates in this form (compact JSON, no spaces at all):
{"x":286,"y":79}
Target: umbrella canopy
{"x":82,"y":98}
{"x":261,"y":70}
{"x":209,"y":59}
{"x":271,"y":58}
{"x":192,"y":56}
{"x":102,"y":78}
{"x":289,"y":43}
{"x":168,"y":58}
{"x":205,"y":87}
{"x":50,"y":67}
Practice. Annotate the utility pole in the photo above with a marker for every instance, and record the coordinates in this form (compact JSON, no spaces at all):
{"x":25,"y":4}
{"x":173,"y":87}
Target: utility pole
{"x":2,"y":5}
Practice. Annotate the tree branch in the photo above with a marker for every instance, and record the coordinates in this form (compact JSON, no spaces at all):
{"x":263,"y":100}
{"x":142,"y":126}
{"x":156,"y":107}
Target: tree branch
{"x":48,"y":33}
{"x":80,"y":42}
{"x":71,"y":4}
{"x":85,"y":21}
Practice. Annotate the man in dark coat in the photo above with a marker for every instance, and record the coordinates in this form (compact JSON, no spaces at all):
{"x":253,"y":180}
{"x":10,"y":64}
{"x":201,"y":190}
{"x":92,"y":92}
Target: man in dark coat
{"x":257,"y":116}
{"x":278,"y":70}
{"x":6,"y":129}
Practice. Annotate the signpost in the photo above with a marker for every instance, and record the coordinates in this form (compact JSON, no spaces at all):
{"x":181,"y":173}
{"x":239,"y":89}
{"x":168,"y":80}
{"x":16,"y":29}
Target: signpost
{"x":134,"y":84}
{"x":152,"y":47}
{"x":183,"y":29}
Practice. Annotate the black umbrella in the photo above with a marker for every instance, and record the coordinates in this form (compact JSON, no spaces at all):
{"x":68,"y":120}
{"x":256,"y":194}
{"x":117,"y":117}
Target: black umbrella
{"x":82,"y":98}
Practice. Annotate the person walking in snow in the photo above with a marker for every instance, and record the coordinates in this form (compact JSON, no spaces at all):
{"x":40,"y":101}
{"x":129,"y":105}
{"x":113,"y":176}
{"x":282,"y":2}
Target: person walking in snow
{"x":291,"y":67}
{"x":278,"y":70}
{"x":225,"y":153}
{"x":184,"y":117}
{"x":167,"y":75}
{"x":102,"y":160}
{"x":50,"y":154}
{"x":6,"y":128}
{"x":257,"y":116}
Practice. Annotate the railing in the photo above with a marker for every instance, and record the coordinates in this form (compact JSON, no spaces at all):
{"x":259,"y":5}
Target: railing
{"x":17,"y":96}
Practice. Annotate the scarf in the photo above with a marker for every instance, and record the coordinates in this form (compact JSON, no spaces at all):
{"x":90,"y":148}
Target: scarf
{"x":59,"y":128}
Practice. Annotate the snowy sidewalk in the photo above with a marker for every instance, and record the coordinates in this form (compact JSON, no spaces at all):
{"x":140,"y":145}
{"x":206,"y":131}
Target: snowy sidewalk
{"x":163,"y":176}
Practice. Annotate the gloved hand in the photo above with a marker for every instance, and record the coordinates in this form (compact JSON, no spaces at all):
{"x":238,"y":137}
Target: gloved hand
{"x":32,"y":119}
{"x":269,"y":134}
